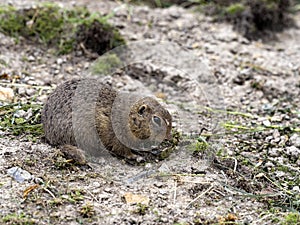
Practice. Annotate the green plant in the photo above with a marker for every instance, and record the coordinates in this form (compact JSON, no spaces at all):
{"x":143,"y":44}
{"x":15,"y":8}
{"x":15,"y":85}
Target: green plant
{"x":292,"y":218}
{"x":87,"y":210}
{"x":141,"y":209}
{"x":29,"y":124}
{"x":75,"y":196}
{"x":18,"y":219}
{"x":200,"y":146}
{"x":65,"y":29}
{"x":235,"y":8}
{"x":106,"y":64}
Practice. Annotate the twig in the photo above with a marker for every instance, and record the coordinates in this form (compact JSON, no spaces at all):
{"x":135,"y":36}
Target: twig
{"x":93,"y":197}
{"x":47,"y":190}
{"x":224,"y":175}
{"x":219,"y":192}
{"x":229,"y":112}
{"x":175,"y":192}
{"x":263,"y":218}
{"x":277,"y":185}
{"x":180,"y":175}
{"x":195,"y":182}
{"x":235,"y":163}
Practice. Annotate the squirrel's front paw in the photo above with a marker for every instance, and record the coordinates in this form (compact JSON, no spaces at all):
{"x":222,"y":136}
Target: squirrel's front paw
{"x":74,"y":153}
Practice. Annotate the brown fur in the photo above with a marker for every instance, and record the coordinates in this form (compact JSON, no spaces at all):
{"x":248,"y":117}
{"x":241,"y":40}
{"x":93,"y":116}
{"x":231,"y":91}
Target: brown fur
{"x":91,"y":129}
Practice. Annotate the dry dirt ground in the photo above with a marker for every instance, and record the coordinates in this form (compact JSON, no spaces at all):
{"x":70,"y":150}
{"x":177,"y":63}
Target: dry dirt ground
{"x":249,"y":174}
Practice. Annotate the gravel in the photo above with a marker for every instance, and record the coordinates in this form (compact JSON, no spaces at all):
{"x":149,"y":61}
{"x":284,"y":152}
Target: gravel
{"x":249,"y":173}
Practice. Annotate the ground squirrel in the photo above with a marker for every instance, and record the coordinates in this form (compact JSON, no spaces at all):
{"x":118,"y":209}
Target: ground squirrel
{"x":92,"y":116}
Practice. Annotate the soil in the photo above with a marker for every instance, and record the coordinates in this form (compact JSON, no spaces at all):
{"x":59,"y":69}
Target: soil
{"x":244,"y":93}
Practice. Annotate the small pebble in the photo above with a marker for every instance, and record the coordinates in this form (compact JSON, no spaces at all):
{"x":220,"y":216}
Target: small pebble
{"x":296,"y":189}
{"x":59,"y":61}
{"x":31,"y":58}
{"x":266,"y":123}
{"x":19,"y":174}
{"x":293,"y":152}
{"x":96,"y":184}
{"x":6,"y":94}
{"x":274,"y":152}
{"x":295,"y":140}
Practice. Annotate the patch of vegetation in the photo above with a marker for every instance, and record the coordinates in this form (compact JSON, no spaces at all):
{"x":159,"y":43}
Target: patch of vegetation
{"x":200,"y":146}
{"x":61,"y":163}
{"x":291,"y":219}
{"x":22,"y":119}
{"x":76,"y":196}
{"x":17,"y":219}
{"x":167,"y":147}
{"x":65,"y":29}
{"x":234,"y":9}
{"x":163,"y":3}
{"x":141,"y":209}
{"x":253,"y":18}
{"x":56,"y":201}
{"x":247,"y":158}
{"x":87,"y":210}
{"x":106,"y":64}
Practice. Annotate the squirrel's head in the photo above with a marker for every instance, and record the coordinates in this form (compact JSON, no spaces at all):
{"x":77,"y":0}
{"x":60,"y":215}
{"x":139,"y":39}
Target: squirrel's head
{"x":150,"y":120}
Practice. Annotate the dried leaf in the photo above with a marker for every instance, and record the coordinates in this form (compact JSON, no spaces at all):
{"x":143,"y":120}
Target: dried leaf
{"x":29,"y":189}
{"x":135,"y":199}
{"x":6,"y":94}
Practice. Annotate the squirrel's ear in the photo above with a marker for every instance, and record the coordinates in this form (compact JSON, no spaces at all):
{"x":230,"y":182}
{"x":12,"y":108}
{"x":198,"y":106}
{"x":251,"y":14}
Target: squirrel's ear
{"x":142,"y":109}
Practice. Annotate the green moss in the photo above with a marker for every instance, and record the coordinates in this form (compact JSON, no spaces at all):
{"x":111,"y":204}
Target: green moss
{"x":291,"y":219}
{"x":12,"y":24}
{"x":45,"y":23}
{"x":235,"y":8}
{"x":51,"y":25}
{"x":106,"y":64}
{"x":200,"y":146}
{"x":17,"y":219}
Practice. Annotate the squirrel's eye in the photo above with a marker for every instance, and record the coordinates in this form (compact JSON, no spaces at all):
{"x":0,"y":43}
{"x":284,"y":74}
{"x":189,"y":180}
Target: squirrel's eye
{"x":142,"y":110}
{"x":156,"y":120}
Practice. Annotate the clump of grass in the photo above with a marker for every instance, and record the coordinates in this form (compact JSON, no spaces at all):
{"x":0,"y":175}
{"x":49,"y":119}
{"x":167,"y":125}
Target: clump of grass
{"x":253,"y":18}
{"x":17,"y":219}
{"x":141,"y":209}
{"x":87,"y":210}
{"x":291,"y":219}
{"x":65,"y":29}
{"x":199,"y":147}
{"x":234,"y":9}
{"x":106,"y":64}
{"x":76,"y":196}
{"x":21,"y":119}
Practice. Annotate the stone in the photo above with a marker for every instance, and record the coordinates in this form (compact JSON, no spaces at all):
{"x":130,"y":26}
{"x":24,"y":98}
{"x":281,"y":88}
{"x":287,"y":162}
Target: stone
{"x":295,"y":140}
{"x":6,"y":94}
